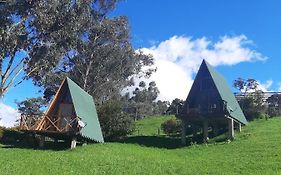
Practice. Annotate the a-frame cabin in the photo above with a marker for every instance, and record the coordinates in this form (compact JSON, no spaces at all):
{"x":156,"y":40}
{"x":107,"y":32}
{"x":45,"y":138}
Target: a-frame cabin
{"x":211,"y":103}
{"x":72,"y":114}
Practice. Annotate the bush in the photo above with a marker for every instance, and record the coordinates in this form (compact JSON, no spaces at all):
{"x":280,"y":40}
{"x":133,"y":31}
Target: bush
{"x":114,"y":122}
{"x":1,"y":132}
{"x":252,"y":108}
{"x":171,"y":126}
{"x":11,"y":136}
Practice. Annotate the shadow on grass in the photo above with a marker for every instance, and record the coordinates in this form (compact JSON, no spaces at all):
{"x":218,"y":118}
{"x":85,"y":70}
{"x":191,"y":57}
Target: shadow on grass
{"x":154,"y":141}
{"x":48,"y":145}
{"x":169,"y":142}
{"x":25,"y":140}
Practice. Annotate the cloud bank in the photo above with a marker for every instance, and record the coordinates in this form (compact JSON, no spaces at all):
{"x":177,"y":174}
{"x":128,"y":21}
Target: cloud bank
{"x":8,"y":115}
{"x":178,"y":59}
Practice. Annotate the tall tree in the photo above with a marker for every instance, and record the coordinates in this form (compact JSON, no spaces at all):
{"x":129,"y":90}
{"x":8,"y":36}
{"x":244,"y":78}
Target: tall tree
{"x":175,"y":107}
{"x":32,"y":106}
{"x":252,"y":99}
{"x":70,"y":38}
{"x":142,"y":103}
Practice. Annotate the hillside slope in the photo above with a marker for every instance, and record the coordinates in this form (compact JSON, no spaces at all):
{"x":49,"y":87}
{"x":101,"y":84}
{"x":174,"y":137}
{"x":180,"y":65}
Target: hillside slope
{"x":257,"y":150}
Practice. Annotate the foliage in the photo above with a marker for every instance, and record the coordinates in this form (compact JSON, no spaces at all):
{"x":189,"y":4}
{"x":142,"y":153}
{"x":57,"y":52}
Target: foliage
{"x":244,"y":85}
{"x":251,"y":99}
{"x":175,"y":107}
{"x":274,"y":105}
{"x":143,"y":102}
{"x":114,"y":122}
{"x":32,"y":106}
{"x":1,"y":132}
{"x":75,"y":39}
{"x":171,"y":126}
{"x":250,"y":108}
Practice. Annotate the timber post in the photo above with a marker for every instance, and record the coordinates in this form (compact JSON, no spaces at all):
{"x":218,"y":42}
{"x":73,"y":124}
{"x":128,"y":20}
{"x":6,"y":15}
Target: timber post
{"x":239,"y":127}
{"x":230,"y":128}
{"x":194,"y":131}
{"x":41,"y":141}
{"x":215,"y":130}
{"x":205,"y":131}
{"x":73,"y":143}
{"x":183,"y":133}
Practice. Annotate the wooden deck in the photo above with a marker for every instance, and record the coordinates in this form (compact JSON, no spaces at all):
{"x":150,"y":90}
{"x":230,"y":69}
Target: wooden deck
{"x":49,"y":124}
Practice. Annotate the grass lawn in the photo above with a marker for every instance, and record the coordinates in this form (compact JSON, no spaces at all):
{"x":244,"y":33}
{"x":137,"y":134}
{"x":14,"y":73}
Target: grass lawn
{"x":149,"y":126}
{"x":256,"y":150}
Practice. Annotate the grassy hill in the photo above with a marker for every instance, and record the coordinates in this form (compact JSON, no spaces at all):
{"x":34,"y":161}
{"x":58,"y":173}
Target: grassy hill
{"x":149,"y":126}
{"x":256,"y":150}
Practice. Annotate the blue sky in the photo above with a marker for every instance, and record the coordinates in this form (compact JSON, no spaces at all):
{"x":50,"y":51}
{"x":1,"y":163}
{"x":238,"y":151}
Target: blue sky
{"x":179,"y":33}
{"x":153,"y":22}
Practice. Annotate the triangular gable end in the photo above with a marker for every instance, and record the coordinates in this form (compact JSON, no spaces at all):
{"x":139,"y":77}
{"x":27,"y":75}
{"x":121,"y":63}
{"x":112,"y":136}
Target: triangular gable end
{"x":209,"y":92}
{"x":226,"y":94}
{"x":202,"y":94}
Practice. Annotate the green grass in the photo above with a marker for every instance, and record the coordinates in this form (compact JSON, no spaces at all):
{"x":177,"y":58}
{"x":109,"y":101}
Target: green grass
{"x":149,"y":126}
{"x":256,"y":150}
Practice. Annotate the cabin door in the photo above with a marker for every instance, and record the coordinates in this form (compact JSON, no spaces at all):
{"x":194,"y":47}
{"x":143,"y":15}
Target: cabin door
{"x":65,"y":113}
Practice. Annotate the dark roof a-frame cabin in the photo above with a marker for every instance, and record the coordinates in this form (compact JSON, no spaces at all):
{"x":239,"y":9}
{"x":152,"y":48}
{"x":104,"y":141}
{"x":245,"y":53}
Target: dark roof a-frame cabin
{"x":210,"y":98}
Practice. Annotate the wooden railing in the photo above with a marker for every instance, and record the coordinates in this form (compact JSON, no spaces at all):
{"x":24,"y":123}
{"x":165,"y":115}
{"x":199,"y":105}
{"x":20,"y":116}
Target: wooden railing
{"x":47,"y":123}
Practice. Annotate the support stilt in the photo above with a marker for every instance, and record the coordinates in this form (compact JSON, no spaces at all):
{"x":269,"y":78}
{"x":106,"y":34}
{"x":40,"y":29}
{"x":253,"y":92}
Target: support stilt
{"x":205,"y":131}
{"x":183,"y":133}
{"x":41,"y":141}
{"x":194,"y":131}
{"x":239,"y":127}
{"x":73,"y":143}
{"x":215,"y":130}
{"x":230,"y":129}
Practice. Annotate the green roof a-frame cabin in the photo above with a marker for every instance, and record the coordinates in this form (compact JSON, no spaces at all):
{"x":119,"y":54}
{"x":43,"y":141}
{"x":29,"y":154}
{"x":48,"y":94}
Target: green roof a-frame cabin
{"x":72,"y":113}
{"x":211,"y":102}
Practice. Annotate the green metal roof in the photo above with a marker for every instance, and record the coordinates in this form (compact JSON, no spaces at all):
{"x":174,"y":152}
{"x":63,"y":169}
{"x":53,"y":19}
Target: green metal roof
{"x":85,"y":109}
{"x":226,"y":94}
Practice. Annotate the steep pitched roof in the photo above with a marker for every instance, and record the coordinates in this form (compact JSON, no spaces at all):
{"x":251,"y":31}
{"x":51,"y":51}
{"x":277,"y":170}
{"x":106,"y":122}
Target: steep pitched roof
{"x":226,"y":94}
{"x":85,"y":109}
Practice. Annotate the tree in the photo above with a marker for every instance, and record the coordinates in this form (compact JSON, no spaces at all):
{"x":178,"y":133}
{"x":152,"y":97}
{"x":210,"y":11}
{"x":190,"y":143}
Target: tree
{"x":32,"y":106}
{"x":244,"y":86}
{"x":142,"y":103}
{"x":78,"y":39}
{"x":114,"y":122}
{"x":160,"y":107}
{"x":274,"y":105}
{"x":175,"y":107}
{"x":251,"y":103}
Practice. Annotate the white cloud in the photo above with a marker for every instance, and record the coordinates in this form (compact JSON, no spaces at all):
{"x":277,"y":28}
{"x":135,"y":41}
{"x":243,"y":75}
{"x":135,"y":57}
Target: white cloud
{"x":265,"y":87}
{"x":279,"y":87}
{"x":8,"y":115}
{"x":178,"y":59}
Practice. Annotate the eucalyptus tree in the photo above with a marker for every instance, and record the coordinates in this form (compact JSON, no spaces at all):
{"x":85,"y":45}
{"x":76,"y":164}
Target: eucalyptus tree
{"x":48,"y":40}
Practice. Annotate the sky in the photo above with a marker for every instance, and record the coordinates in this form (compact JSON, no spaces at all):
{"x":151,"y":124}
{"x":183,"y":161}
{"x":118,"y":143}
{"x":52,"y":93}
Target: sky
{"x":239,"y":38}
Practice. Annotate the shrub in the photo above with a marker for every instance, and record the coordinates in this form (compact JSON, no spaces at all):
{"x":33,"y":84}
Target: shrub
{"x":114,"y":122}
{"x":252,"y":108}
{"x":1,"y":132}
{"x":171,"y":126}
